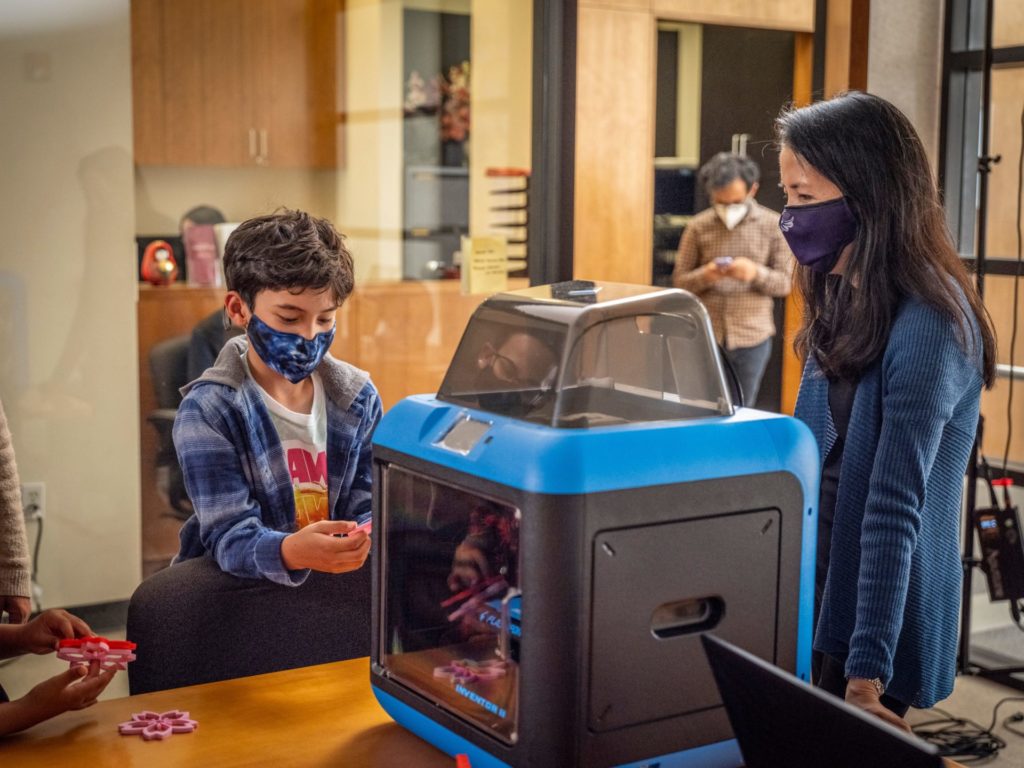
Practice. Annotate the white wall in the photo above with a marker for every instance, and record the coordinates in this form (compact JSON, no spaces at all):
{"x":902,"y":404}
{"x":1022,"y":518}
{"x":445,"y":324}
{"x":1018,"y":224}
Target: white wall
{"x":905,"y":62}
{"x":68,"y":359}
{"x":164,"y":194}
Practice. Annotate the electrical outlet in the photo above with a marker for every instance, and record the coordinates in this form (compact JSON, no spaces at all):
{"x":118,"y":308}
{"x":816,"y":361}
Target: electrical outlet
{"x":33,"y":500}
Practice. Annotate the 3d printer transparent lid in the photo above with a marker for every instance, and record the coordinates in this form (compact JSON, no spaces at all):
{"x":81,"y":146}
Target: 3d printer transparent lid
{"x":585,"y":354}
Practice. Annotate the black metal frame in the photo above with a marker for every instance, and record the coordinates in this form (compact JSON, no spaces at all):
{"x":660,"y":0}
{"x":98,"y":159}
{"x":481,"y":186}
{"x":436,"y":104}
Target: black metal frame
{"x":962,"y":110}
{"x":550,"y":234}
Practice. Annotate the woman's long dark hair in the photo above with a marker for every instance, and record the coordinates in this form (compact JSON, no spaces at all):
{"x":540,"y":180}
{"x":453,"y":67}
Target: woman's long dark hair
{"x":869,"y":149}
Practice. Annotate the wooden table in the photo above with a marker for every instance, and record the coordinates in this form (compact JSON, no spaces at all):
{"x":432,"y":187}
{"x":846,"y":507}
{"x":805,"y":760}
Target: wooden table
{"x":313,"y":716}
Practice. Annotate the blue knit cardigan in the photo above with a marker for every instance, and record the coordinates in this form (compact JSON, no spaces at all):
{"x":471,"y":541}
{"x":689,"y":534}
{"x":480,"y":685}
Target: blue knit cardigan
{"x":892,"y":595}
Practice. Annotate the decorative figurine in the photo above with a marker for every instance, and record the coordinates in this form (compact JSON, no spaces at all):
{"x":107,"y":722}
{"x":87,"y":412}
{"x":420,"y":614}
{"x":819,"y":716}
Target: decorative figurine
{"x":158,"y":264}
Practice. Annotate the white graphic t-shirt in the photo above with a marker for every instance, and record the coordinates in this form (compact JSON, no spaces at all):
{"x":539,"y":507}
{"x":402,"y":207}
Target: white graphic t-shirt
{"x":304,"y":440}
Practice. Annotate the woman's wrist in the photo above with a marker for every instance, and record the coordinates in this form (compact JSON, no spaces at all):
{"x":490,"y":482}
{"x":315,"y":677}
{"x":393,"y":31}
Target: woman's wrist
{"x":873,"y":686}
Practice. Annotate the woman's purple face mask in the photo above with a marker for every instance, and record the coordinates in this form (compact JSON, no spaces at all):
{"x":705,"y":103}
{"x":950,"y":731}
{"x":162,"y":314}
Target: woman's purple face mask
{"x":817,"y":222}
{"x":818,"y":233}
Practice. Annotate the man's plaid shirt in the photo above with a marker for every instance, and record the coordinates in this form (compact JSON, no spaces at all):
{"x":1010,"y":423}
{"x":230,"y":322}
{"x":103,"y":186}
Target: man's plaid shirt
{"x":741,"y":313}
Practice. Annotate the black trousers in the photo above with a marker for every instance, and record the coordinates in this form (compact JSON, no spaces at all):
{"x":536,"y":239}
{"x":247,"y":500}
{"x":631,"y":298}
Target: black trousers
{"x":833,"y":680}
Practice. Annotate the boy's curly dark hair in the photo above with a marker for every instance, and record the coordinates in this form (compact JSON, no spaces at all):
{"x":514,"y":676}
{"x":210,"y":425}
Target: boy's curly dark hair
{"x":287,"y":250}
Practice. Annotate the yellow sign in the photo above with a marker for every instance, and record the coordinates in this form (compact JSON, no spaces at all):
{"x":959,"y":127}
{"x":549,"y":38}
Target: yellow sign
{"x":484,"y":265}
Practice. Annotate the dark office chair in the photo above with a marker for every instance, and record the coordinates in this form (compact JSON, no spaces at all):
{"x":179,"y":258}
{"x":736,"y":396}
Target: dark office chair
{"x":168,"y":364}
{"x":195,"y":624}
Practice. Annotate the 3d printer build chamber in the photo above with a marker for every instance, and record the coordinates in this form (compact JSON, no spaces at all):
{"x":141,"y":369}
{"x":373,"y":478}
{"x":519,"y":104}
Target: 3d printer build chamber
{"x":559,"y":524}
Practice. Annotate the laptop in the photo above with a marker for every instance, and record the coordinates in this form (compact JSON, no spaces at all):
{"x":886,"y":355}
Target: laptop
{"x":780,"y":720}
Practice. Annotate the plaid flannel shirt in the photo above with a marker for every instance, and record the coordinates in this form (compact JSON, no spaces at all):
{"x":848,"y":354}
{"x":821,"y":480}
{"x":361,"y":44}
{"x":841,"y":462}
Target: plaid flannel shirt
{"x":741,"y":313}
{"x":235,"y":470}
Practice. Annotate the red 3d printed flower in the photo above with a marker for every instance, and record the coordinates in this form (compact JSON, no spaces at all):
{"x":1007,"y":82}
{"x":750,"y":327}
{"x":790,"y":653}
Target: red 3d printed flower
{"x":158,"y":725}
{"x":96,"y":652}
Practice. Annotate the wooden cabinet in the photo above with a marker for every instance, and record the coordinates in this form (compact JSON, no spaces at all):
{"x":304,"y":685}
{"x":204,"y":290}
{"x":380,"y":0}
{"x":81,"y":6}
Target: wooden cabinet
{"x":235,"y":83}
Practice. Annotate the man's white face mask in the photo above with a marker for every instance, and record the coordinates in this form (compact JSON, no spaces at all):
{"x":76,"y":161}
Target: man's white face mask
{"x":731,"y":215}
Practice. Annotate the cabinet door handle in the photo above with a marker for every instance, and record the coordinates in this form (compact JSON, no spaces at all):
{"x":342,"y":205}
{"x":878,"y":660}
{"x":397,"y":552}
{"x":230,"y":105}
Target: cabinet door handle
{"x":252,"y":143}
{"x":264,"y":147}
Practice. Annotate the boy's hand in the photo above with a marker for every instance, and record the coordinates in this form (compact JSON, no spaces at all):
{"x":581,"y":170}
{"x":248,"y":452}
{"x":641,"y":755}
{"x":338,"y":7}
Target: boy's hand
{"x":42,"y":634}
{"x":319,"y":548}
{"x":69,"y":690}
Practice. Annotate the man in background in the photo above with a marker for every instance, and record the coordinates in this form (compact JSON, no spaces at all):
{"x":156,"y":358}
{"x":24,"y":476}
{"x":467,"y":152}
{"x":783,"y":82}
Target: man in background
{"x":734,"y":258}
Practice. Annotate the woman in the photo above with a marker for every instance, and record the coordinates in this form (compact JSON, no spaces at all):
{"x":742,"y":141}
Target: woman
{"x":15,"y":578}
{"x":897,"y":345}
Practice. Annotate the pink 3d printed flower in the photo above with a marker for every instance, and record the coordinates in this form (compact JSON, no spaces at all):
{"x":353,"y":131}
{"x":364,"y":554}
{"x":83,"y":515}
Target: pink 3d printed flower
{"x":158,"y":725}
{"x":96,"y":653}
{"x":469,"y":671}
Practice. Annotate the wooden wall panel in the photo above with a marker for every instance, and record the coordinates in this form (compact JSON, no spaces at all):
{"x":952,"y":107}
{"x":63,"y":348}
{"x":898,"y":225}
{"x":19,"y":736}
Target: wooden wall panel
{"x":614,"y":145}
{"x":993,"y":407}
{"x":147,"y":81}
{"x":226,"y":61}
{"x":846,"y":45}
{"x":619,"y":5}
{"x":1007,"y":23}
{"x":297,"y":106}
{"x":1007,"y":96}
{"x":1004,"y":133}
{"x":182,"y":73}
{"x":860,"y":28}
{"x":794,"y":15}
{"x":407,"y":333}
{"x":792,"y":366}
{"x":999,"y":300}
{"x":322,"y":32}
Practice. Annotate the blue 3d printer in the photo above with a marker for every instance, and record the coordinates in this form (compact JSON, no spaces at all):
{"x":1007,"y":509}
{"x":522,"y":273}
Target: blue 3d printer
{"x":556,"y":528}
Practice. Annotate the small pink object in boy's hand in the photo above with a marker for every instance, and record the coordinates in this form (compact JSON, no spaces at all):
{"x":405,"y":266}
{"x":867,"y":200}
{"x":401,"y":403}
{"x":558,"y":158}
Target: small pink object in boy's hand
{"x":96,"y":653}
{"x":367,"y":526}
{"x":462,"y":761}
{"x":158,"y":725}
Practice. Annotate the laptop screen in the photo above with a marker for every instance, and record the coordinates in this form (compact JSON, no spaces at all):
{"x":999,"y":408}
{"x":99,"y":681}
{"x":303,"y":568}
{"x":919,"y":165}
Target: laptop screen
{"x":780,"y":720}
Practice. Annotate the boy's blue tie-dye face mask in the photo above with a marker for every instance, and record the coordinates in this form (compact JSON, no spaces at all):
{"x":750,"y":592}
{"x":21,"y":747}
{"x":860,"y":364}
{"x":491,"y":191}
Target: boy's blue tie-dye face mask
{"x":293,"y":356}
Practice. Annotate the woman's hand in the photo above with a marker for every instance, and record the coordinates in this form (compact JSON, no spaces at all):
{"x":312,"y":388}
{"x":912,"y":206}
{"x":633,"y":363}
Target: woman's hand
{"x":863,"y":695}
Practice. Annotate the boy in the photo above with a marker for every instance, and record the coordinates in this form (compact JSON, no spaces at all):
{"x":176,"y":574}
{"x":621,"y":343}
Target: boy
{"x":274,"y":439}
